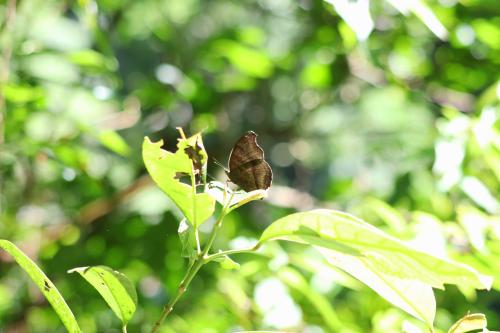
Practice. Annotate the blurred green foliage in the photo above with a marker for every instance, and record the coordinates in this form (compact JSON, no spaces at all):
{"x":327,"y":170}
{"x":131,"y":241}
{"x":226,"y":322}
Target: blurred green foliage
{"x":391,"y":114}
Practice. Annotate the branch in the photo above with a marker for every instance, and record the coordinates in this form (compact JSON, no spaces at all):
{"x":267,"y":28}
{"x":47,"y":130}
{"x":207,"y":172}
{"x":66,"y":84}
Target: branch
{"x":192,"y":270}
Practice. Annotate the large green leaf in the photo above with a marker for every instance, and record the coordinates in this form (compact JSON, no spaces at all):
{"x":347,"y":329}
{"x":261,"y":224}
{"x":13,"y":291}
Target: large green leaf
{"x":402,"y":275}
{"x":114,"y":287}
{"x":167,"y":169}
{"x":43,"y":283}
{"x":407,"y":293}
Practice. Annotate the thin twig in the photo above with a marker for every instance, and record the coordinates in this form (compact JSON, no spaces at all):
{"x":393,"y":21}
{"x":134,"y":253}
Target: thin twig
{"x":192,"y":270}
{"x":170,"y":306}
{"x":229,"y":252}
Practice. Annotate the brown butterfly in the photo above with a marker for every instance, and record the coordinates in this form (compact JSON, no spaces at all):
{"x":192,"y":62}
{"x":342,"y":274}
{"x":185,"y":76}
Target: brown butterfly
{"x":247,"y":167}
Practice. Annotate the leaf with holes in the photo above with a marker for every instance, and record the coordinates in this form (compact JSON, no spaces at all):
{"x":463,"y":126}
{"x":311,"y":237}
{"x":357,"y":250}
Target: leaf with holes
{"x":169,"y":169}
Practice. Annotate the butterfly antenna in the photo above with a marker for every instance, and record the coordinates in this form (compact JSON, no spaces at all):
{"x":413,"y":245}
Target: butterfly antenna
{"x":219,"y":164}
{"x":211,"y":177}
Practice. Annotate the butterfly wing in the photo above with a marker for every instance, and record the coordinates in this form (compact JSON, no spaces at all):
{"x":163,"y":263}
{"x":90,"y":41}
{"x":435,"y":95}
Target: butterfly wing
{"x":247,"y":167}
{"x":253,"y":175}
{"x":245,"y":150}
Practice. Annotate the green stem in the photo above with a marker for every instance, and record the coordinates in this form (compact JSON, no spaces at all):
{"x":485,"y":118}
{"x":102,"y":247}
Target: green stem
{"x":124,"y":329}
{"x":197,"y":237}
{"x":228,"y":252}
{"x":213,"y":234}
{"x":216,"y":227}
{"x":192,"y":270}
{"x":169,"y":307}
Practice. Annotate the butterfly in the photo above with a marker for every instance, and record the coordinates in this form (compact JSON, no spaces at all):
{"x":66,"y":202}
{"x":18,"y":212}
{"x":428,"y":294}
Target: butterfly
{"x":247,"y":167}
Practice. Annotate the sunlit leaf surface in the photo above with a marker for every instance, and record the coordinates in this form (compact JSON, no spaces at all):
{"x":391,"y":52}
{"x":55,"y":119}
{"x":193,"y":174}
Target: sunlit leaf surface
{"x":114,"y":142}
{"x":402,"y":275}
{"x":168,"y":169}
{"x":227,"y":263}
{"x":470,"y":322}
{"x":114,"y":287}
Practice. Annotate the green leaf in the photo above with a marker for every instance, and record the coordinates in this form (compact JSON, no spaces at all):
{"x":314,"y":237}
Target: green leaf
{"x":114,"y":287}
{"x":487,"y":32}
{"x":114,"y":142}
{"x":227,"y":263}
{"x":51,"y":67}
{"x":168,"y":169}
{"x":402,"y":275}
{"x":92,"y":59}
{"x":316,"y":75}
{"x":252,"y":62}
{"x":188,"y":240}
{"x":388,"y":214}
{"x":470,"y":322}
{"x":43,"y":283}
{"x":22,"y":93}
{"x":378,"y":272}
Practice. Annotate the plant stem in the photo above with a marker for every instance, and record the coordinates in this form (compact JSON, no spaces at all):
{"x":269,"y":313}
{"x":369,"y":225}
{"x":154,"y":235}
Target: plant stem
{"x":192,"y":270}
{"x":124,"y":329}
{"x":168,"y":308}
{"x":197,"y":237}
{"x":228,"y":252}
{"x":216,"y":227}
